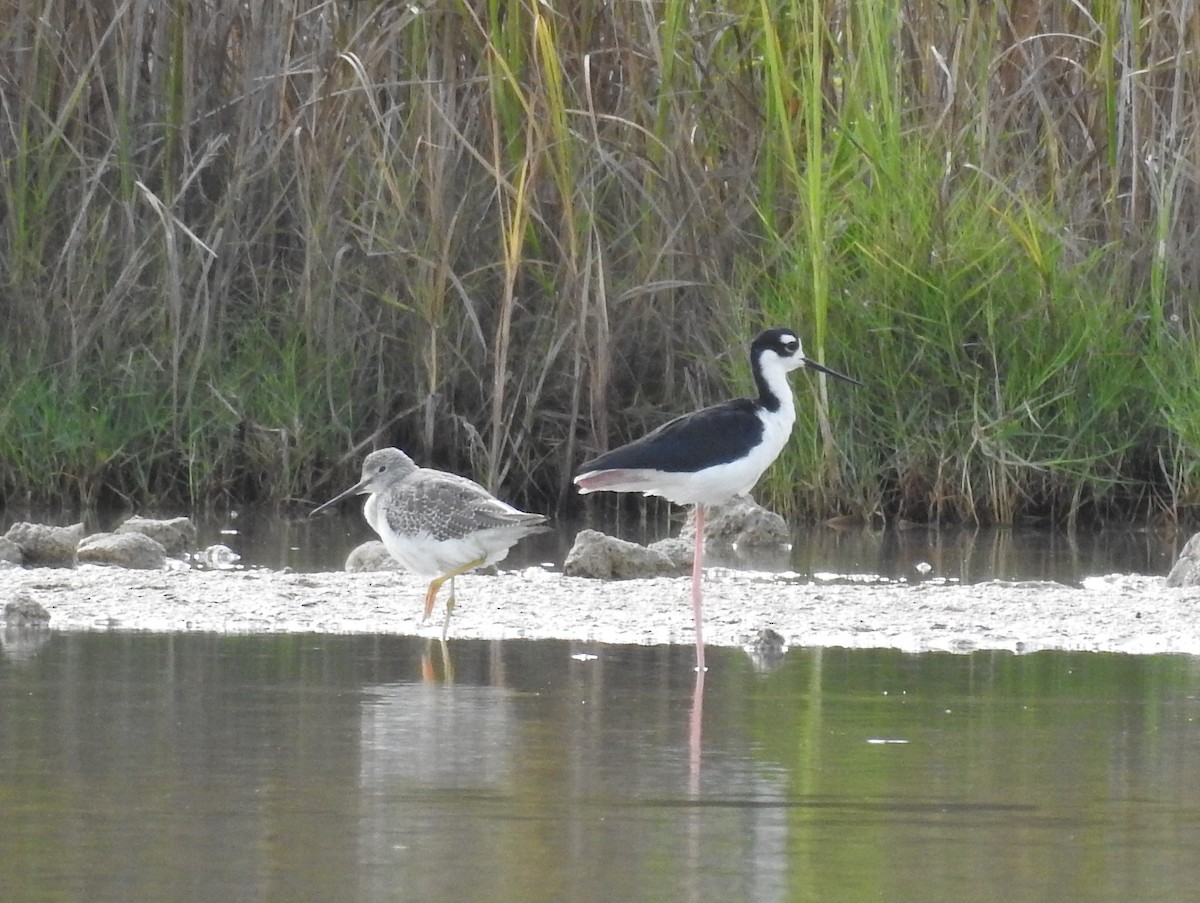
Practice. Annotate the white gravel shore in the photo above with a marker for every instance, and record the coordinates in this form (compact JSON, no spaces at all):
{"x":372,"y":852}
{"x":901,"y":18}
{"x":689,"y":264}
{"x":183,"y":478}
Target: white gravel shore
{"x":1131,"y":614}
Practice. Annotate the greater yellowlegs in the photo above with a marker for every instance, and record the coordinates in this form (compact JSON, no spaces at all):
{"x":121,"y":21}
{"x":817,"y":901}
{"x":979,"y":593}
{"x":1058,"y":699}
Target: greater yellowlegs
{"x":711,"y":455}
{"x":436,"y":524}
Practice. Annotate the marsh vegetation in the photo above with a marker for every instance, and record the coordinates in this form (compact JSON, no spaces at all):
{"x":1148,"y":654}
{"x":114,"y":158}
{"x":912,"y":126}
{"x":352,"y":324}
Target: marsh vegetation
{"x":245,"y":241}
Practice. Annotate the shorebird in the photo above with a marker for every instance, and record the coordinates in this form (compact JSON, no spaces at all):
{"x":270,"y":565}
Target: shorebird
{"x":436,"y":524}
{"x":709,"y":456}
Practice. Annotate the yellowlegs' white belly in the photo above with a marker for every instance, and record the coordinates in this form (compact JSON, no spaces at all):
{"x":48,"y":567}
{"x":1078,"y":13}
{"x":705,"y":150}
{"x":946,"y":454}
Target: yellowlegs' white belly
{"x":427,"y":556}
{"x":436,"y":524}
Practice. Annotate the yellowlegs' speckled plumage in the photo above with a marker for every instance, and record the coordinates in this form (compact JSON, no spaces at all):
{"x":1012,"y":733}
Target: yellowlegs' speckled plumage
{"x":436,"y":524}
{"x":711,"y":455}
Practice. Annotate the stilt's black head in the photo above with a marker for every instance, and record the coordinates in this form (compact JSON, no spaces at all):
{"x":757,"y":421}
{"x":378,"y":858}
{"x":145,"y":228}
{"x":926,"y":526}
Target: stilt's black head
{"x":785,"y":346}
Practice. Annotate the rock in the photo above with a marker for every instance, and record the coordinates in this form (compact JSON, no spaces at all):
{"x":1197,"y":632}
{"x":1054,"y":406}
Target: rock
{"x":1186,"y":571}
{"x":46,"y":546}
{"x":595,"y":554}
{"x":218,"y":557}
{"x":176,"y":534}
{"x":740,"y":522}
{"x":371,"y":556}
{"x":766,"y":649}
{"x":25,"y":611}
{"x":678,"y":550}
{"x":10,"y":554}
{"x":127,"y":550}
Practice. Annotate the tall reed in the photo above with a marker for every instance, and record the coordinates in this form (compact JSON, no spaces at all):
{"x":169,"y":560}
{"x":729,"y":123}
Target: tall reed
{"x":242,"y":242}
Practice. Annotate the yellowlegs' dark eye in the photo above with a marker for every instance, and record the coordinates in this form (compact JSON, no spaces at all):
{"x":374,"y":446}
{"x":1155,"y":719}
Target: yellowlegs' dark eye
{"x":436,"y":524}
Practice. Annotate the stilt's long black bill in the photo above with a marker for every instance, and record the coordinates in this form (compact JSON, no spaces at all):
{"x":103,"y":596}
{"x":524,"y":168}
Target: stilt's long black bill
{"x":813,"y":365}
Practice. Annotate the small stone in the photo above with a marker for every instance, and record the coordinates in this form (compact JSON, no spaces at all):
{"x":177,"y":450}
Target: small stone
{"x":371,"y":556}
{"x":46,"y":546}
{"x":594,"y":554}
{"x":678,"y":550}
{"x":218,"y":557}
{"x":740,"y":522}
{"x":127,"y":550}
{"x":25,"y":611}
{"x":766,"y":649}
{"x":10,"y":554}
{"x":176,"y":534}
{"x":1186,"y":571}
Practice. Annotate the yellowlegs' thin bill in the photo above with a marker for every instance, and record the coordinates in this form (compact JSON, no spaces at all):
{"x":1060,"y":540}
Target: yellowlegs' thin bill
{"x":436,"y":524}
{"x":711,"y":455}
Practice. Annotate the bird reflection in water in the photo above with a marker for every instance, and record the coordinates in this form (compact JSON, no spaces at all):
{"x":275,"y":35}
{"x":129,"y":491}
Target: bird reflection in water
{"x":428,"y":667}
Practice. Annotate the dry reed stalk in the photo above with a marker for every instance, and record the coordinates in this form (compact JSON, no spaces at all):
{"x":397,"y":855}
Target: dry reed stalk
{"x":483,"y":229}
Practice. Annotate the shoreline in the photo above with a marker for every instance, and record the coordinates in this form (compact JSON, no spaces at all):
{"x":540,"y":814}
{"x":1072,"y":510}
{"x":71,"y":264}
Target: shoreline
{"x":1116,"y":613}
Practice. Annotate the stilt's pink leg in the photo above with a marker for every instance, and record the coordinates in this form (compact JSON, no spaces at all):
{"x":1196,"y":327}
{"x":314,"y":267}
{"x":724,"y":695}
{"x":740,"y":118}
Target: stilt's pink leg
{"x":694,"y":727}
{"x":697,"y":566}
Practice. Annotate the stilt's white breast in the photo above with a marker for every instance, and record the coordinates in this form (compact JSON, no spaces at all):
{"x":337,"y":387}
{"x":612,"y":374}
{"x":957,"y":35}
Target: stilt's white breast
{"x":648,"y":466}
{"x":723,"y":481}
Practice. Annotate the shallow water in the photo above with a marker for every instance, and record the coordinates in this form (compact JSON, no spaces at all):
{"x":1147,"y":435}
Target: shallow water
{"x":265,"y":538}
{"x":967,"y":554}
{"x":148,"y":767}
{"x":139,"y":767}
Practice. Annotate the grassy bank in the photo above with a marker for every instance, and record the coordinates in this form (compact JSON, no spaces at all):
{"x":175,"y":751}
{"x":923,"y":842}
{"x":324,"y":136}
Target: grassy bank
{"x":244,"y":242}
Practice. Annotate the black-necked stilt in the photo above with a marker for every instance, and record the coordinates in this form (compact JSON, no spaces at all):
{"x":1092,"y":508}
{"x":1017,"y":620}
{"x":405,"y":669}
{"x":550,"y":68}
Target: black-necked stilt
{"x":436,"y":524}
{"x":713,"y":454}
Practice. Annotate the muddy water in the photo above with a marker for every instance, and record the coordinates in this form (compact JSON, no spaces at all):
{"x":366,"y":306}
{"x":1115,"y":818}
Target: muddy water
{"x":147,"y":767}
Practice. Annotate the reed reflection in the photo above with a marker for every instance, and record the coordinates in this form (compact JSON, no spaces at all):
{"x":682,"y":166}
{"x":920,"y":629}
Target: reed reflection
{"x":366,"y":768}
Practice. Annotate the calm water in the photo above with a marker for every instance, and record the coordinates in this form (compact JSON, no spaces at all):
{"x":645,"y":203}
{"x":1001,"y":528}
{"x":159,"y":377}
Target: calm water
{"x":971,"y":555}
{"x":263,"y":538}
{"x":139,"y":767}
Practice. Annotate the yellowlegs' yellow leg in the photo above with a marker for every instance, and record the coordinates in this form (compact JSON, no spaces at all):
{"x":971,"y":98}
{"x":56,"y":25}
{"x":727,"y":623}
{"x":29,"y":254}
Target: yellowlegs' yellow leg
{"x":436,"y":583}
{"x":409,"y":505}
{"x":449,"y":611}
